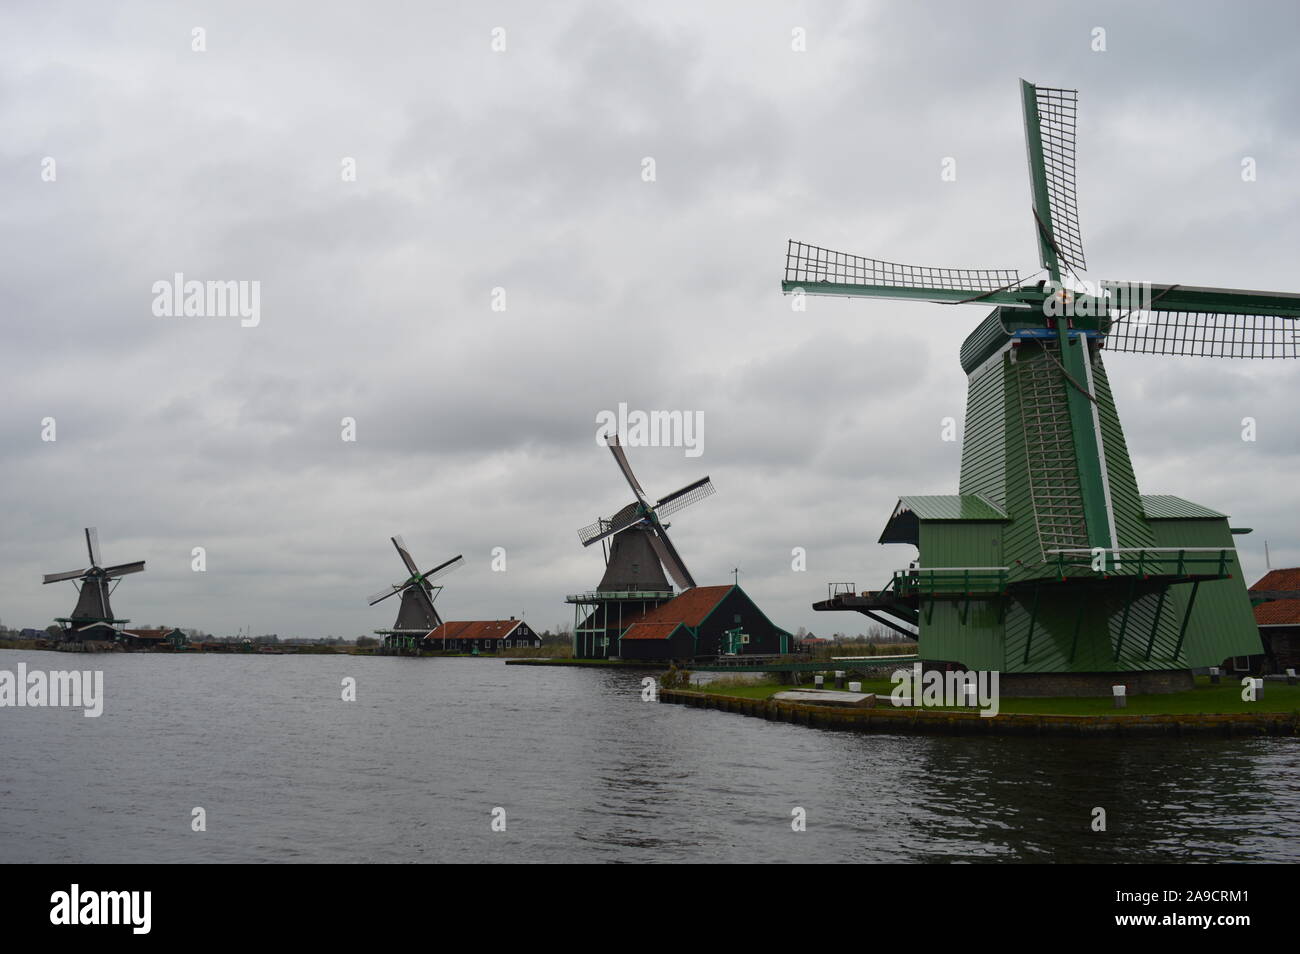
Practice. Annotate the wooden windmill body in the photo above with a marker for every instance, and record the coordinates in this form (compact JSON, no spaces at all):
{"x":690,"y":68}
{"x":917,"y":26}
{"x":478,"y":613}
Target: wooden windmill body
{"x":1049,"y":560}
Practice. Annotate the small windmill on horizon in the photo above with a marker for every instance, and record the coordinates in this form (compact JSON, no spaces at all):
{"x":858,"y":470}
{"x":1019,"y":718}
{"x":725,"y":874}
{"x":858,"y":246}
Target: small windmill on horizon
{"x":416,"y":614}
{"x":93,"y":617}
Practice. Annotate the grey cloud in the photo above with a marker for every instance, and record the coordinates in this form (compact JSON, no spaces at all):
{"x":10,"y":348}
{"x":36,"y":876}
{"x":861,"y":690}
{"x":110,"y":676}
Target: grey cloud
{"x":522,"y":170}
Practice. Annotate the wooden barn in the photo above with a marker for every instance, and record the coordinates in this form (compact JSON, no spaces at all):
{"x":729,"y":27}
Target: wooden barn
{"x":702,"y":623}
{"x":484,"y":636}
{"x":152,"y":639}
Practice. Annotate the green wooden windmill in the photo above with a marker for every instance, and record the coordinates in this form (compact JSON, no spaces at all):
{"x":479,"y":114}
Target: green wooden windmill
{"x":1048,"y":560}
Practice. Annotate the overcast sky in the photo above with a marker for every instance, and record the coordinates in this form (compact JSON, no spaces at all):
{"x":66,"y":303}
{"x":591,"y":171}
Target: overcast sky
{"x":523,"y":170}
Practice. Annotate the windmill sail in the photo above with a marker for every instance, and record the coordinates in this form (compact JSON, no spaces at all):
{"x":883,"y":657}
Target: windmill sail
{"x":1050,"y":135}
{"x":621,"y":456}
{"x":607,"y":527}
{"x":405,"y":554}
{"x":671,"y":559}
{"x":681,"y":499}
{"x":67,"y":575}
{"x":821,"y":271}
{"x":384,"y":594}
{"x":1204,"y":322}
{"x":442,"y":569}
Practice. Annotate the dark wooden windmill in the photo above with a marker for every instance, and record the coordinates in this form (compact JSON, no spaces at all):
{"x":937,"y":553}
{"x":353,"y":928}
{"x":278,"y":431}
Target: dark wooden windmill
{"x":92,"y":617}
{"x":637,"y":551}
{"x":416,"y":615}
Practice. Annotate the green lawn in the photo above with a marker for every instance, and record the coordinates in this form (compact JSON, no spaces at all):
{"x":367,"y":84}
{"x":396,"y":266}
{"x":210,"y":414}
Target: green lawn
{"x":1204,"y":699}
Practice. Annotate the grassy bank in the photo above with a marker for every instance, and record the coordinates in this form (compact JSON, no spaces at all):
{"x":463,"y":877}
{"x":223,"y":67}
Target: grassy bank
{"x":586,"y":663}
{"x":1205,"y":699}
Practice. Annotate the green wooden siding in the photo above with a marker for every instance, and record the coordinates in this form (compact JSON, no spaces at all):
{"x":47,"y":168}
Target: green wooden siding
{"x":976,"y":640}
{"x":1130,"y":525}
{"x":983,"y":451}
{"x":959,"y":543}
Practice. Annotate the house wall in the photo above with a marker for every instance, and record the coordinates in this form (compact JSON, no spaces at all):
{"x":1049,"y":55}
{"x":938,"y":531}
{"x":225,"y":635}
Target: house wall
{"x":679,"y":646}
{"x":764,"y":636}
{"x":705,"y":641}
{"x":1282,"y":647}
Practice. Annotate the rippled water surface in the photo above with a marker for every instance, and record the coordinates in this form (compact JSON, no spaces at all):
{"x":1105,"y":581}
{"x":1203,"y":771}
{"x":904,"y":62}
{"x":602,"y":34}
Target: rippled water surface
{"x":585,"y":771}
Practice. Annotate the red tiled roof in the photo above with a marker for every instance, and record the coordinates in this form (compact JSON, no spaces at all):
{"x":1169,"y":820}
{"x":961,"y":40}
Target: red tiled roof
{"x":645,"y":630}
{"x":690,"y":607}
{"x":1284,"y":580}
{"x":475,"y":629}
{"x":147,"y":633}
{"x":1278,"y":612}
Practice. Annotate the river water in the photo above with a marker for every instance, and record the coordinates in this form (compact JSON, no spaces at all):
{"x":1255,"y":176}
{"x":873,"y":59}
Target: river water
{"x":412,"y":770}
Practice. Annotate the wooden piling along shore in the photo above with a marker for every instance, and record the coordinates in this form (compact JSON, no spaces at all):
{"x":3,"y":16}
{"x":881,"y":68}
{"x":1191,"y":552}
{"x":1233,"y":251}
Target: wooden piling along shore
{"x":886,"y":718}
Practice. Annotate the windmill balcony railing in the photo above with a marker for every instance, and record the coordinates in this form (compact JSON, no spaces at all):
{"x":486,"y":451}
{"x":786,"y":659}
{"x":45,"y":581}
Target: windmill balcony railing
{"x":601,"y":596}
{"x":950,"y":581}
{"x":1145,"y":562}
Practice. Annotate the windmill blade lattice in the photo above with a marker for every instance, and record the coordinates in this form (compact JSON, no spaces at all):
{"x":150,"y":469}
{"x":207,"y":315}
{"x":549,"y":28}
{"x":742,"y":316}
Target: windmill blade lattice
{"x":1051,"y":121}
{"x":621,"y":456}
{"x":385,"y":593}
{"x":405,"y":554}
{"x":1202,"y":334}
{"x":67,"y":575}
{"x":122,"y":569}
{"x":820,"y":270}
{"x":679,"y":500}
{"x":608,"y":527}
{"x":442,"y":569}
{"x":1202,"y":322}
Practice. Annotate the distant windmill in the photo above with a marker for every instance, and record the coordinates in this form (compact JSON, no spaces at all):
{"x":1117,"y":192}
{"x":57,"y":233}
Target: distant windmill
{"x":639,"y":537}
{"x":97,"y":584}
{"x":416,"y":614}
